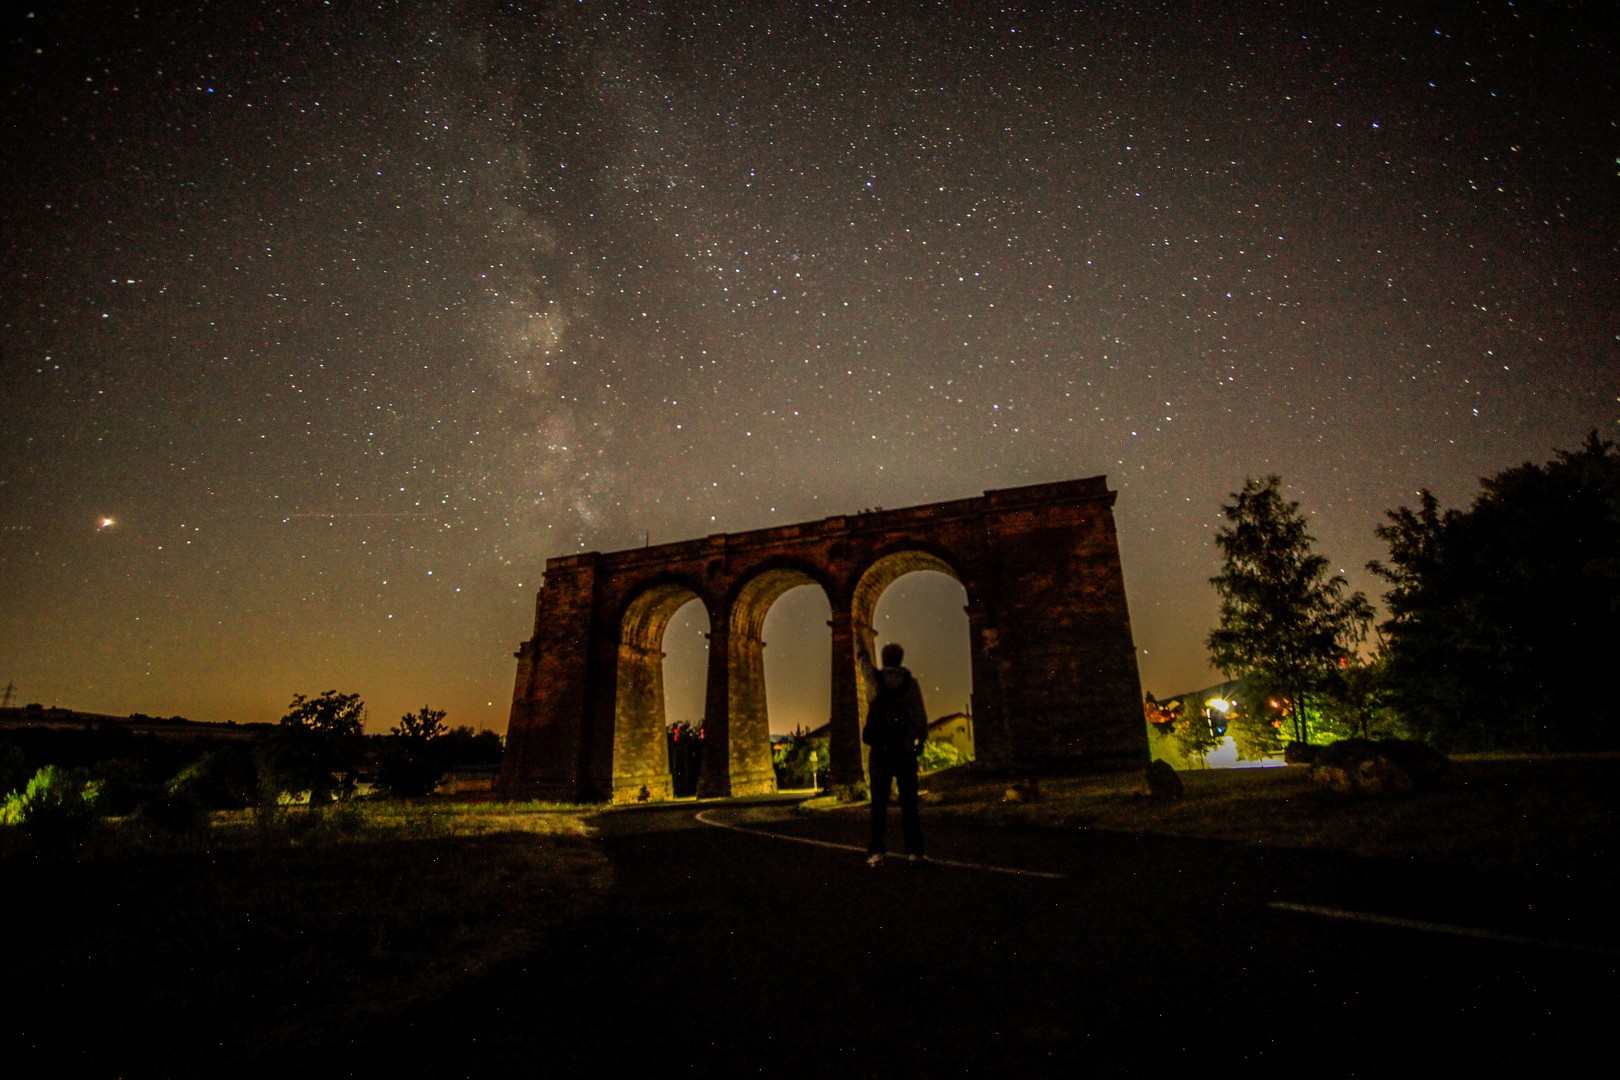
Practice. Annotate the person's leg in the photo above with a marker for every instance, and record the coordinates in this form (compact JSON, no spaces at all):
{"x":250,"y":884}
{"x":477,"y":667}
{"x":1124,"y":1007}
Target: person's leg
{"x":905,"y":777}
{"x":880,"y":772}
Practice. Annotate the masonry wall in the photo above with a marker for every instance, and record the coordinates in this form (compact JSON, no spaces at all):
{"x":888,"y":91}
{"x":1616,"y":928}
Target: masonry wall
{"x":1054,"y":665}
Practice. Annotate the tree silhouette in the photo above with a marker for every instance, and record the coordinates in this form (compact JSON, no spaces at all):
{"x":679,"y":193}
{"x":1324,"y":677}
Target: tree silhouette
{"x":1502,"y":615}
{"x":411,"y":759}
{"x":1285,"y":621}
{"x":318,"y":746}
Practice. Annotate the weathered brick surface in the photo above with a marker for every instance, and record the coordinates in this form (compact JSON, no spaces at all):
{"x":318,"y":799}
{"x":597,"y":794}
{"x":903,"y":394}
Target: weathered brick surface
{"x":1054,"y":666}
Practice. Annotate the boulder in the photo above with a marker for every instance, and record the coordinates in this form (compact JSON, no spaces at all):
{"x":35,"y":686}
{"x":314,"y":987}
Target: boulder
{"x":1022,"y":791}
{"x":1298,"y":753}
{"x":1378,"y":766}
{"x":1162,"y":781}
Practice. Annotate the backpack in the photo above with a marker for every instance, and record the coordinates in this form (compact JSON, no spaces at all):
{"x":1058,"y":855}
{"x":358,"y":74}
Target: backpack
{"x":886,"y":718}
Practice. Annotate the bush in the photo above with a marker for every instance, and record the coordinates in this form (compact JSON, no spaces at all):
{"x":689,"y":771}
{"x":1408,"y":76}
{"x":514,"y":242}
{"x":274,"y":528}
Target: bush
{"x":938,"y":755}
{"x":176,"y":810}
{"x":223,"y":779}
{"x":124,"y":784}
{"x":58,"y":805}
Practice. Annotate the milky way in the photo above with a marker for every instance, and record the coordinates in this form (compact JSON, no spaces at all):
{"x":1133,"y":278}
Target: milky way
{"x":323,"y":325}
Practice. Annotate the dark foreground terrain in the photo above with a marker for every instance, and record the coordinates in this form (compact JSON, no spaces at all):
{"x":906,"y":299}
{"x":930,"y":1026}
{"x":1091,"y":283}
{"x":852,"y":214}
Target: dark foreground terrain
{"x":729,"y":954}
{"x":738,"y":950}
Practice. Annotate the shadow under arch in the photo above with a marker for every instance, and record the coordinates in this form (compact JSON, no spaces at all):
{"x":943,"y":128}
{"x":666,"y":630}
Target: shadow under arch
{"x":640,"y":752}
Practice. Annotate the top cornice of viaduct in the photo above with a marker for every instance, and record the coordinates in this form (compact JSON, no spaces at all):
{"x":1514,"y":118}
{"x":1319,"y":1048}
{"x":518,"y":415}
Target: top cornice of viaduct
{"x":997,"y":501}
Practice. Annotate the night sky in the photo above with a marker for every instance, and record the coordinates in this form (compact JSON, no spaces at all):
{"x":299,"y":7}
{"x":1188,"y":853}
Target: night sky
{"x":325,"y":324}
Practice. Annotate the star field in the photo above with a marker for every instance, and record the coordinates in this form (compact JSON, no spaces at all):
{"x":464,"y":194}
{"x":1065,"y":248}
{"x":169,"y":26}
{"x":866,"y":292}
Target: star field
{"x":324,"y":324}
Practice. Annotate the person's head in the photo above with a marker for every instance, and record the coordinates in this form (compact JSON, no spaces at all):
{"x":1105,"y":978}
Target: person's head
{"x":893,"y":654}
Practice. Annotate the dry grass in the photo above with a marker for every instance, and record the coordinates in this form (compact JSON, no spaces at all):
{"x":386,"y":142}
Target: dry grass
{"x":268,"y":935}
{"x":1547,"y":819}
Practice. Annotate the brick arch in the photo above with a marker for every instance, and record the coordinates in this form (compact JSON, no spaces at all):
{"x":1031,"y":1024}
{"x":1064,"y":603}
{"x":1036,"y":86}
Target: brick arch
{"x":873,"y":582}
{"x":747,"y":732}
{"x":1053,"y":662}
{"x":884,"y":571}
{"x":640,"y":758}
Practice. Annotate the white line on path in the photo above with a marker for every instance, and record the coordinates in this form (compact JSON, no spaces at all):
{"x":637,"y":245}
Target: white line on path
{"x":1014,"y":871}
{"x":1443,"y":928}
{"x":1280,"y":905}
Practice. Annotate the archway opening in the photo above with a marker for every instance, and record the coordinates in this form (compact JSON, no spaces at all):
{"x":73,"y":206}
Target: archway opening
{"x":798,"y":662}
{"x":686,"y":670}
{"x":749,"y":738}
{"x":798,"y":686}
{"x":916,"y":600}
{"x":643,"y":764}
{"x":686,"y":663}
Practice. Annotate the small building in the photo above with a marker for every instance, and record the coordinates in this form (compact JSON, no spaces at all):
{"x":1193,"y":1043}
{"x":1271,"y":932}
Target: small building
{"x":956,"y":729}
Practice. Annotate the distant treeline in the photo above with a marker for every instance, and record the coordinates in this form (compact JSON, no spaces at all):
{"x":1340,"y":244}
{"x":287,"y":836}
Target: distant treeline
{"x":36,"y":714}
{"x":33,"y":739}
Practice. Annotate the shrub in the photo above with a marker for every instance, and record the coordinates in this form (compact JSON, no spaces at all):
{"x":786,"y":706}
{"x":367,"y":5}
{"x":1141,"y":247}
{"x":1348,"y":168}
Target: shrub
{"x":57,"y":805}
{"x":175,"y":810}
{"x":124,"y":784}
{"x":223,"y":779}
{"x":938,"y":754}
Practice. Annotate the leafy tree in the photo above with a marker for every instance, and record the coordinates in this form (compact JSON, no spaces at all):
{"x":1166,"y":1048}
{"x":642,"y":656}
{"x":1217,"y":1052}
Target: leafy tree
{"x":1194,"y":735}
{"x":1356,"y":701}
{"x":411,"y":761}
{"x":1162,"y":745}
{"x":1502,"y":615}
{"x":1256,"y":738}
{"x":1285,"y":621}
{"x":318,"y":746}
{"x":794,"y":767}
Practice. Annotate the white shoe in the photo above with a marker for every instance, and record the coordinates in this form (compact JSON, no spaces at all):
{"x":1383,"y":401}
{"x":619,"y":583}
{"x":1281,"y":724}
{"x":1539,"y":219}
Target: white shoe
{"x":874,"y":860}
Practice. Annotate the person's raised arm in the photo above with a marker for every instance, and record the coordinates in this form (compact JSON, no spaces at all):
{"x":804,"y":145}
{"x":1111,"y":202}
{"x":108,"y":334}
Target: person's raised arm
{"x":868,"y":671}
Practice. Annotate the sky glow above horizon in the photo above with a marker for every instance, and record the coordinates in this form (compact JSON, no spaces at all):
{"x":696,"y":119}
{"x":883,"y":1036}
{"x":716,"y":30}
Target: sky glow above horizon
{"x":324,"y":325}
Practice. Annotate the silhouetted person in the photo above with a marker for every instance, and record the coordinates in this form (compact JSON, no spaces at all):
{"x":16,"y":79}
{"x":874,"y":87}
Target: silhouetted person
{"x":896,"y":727}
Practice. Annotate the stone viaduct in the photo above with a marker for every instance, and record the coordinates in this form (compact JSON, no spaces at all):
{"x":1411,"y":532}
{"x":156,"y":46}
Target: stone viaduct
{"x":1055,"y":682}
